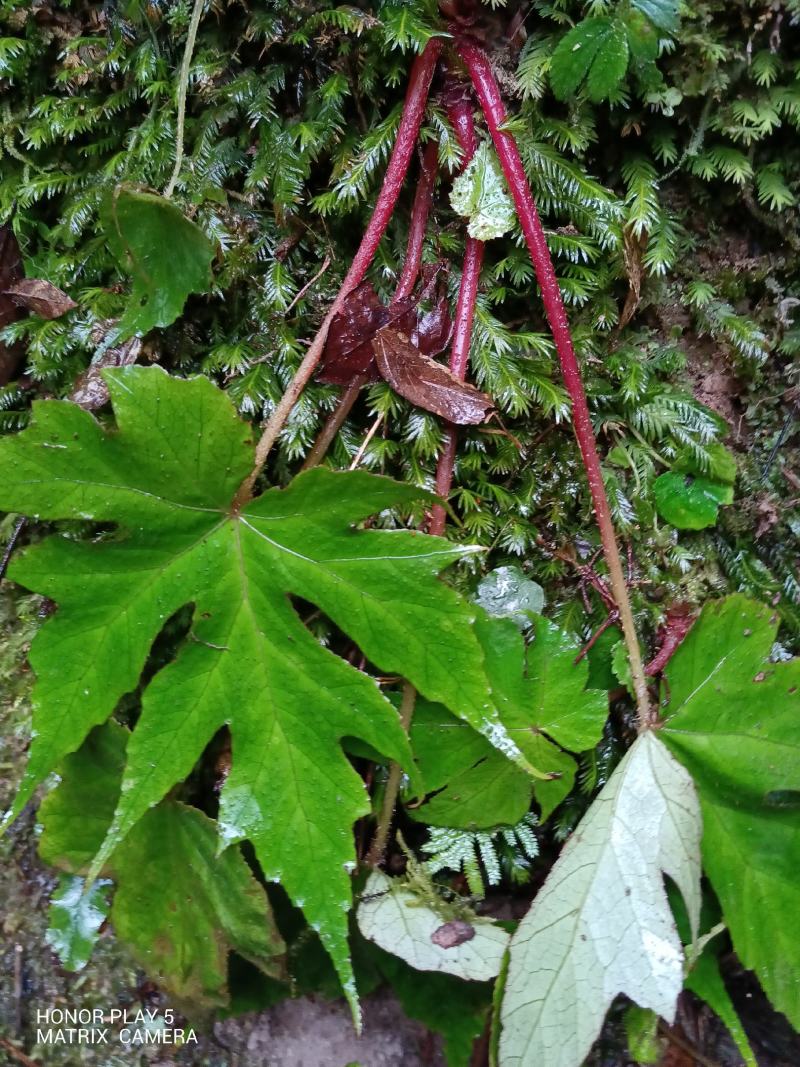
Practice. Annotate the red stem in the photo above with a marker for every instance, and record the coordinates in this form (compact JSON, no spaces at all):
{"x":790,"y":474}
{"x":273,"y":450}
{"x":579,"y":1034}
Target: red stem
{"x":460,"y":115}
{"x":420,"y":210}
{"x":419,"y":84}
{"x":489,"y":96}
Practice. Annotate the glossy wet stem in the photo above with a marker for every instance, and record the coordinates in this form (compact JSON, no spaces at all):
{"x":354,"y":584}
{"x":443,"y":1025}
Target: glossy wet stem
{"x":490,"y":99}
{"x":410,"y":122}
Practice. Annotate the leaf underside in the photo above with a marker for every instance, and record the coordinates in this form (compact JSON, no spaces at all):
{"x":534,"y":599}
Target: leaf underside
{"x":601,"y":925}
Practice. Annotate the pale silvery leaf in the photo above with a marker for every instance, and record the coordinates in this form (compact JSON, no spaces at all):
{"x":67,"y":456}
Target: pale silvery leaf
{"x":401,"y":922}
{"x":601,"y":925}
{"x":479,"y":193}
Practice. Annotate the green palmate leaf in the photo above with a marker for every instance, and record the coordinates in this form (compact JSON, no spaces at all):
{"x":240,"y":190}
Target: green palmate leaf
{"x":732,"y":720}
{"x":74,"y":920}
{"x":179,"y":905}
{"x":601,"y":925}
{"x":690,"y":502}
{"x":427,"y":937}
{"x":481,"y":195}
{"x":167,"y":256}
{"x":167,"y":477}
{"x":595,"y":54}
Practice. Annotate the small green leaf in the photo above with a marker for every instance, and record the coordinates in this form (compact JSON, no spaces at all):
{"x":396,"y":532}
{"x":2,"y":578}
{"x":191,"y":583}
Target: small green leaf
{"x":732,"y":720}
{"x":507,"y":592}
{"x":641,"y":1030}
{"x":480,"y":194}
{"x":74,"y":920}
{"x":406,"y":924}
{"x":594,"y":53}
{"x":690,"y":502}
{"x":665,"y":14}
{"x":167,"y":256}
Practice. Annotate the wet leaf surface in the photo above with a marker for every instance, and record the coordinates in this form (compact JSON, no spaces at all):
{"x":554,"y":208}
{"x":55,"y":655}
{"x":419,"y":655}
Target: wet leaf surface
{"x":427,"y":384}
{"x":732,"y":720}
{"x":167,"y":476}
{"x":348,"y":350}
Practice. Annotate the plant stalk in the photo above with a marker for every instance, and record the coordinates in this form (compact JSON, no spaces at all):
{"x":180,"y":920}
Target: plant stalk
{"x":490,"y":99}
{"x":460,"y":115}
{"x":420,"y":212}
{"x":419,"y":85}
{"x":183,"y":89}
{"x":377,"y":850}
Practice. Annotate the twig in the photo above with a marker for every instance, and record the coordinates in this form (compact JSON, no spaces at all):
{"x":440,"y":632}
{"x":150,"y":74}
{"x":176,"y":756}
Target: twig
{"x":18,"y":1054}
{"x":19,"y":526}
{"x":490,"y":99}
{"x":410,"y":122}
{"x":377,"y":849}
{"x":365,"y":444}
{"x":183,"y":87}
{"x":460,"y":115}
{"x":325,"y":264}
{"x":334,"y":423}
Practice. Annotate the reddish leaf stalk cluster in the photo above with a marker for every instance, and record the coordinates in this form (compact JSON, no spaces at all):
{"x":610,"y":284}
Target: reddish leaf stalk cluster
{"x":420,"y":212}
{"x":460,"y":115}
{"x":489,"y":97}
{"x":419,"y":84}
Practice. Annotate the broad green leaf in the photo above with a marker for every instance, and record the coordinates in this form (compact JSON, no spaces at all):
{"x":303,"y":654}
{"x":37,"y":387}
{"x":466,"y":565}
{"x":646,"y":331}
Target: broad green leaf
{"x":594,"y":53}
{"x":601,"y":925}
{"x":179,"y":905}
{"x":167,"y":256}
{"x":732,"y":720}
{"x":541,"y":695}
{"x":690,"y":502}
{"x":480,"y":194}
{"x":493,"y":792}
{"x":74,"y":920}
{"x":167,"y":476}
{"x":506,"y":591}
{"x":665,"y":14}
{"x":398,"y":920}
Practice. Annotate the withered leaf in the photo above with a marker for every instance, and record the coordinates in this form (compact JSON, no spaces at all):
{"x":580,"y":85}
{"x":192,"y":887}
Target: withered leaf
{"x":426,"y":383}
{"x":90,"y":390}
{"x":41,"y":297}
{"x":348,"y":351}
{"x":10,"y":273}
{"x":435,"y":328}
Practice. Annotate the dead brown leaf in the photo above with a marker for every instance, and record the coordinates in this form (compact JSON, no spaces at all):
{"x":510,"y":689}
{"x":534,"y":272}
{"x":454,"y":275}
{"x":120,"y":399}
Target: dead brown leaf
{"x":425,"y":383}
{"x":41,"y":297}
